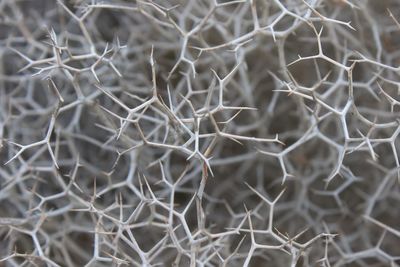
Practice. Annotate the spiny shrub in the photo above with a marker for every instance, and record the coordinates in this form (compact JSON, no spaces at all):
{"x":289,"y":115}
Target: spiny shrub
{"x":199,"y":133}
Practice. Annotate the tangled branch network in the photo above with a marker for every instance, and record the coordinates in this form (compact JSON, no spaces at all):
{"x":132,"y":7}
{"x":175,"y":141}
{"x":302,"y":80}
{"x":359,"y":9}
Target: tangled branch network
{"x":199,"y":133}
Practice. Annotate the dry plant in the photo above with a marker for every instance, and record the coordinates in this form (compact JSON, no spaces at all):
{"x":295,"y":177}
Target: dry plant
{"x":199,"y":133}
